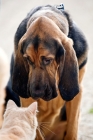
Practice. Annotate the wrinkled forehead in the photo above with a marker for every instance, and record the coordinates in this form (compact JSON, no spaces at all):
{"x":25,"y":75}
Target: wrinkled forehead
{"x":41,"y":47}
{"x":43,"y":36}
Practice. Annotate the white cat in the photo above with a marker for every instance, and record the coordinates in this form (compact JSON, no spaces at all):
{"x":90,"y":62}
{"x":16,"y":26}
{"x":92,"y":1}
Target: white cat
{"x":19,"y":123}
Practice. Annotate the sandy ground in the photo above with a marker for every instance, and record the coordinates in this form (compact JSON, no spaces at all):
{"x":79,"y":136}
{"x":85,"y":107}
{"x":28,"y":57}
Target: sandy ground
{"x":11,"y":14}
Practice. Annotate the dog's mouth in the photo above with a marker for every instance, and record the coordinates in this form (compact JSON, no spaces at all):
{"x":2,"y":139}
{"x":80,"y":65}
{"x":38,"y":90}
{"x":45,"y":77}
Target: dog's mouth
{"x":36,"y":94}
{"x":46,"y":94}
{"x":41,"y":94}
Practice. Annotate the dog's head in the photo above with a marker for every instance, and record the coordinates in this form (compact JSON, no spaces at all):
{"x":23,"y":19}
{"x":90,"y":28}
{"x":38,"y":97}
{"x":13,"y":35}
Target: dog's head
{"x":45,"y":61}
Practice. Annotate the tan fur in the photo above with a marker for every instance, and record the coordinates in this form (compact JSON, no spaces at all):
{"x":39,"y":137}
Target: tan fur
{"x":4,"y":76}
{"x":49,"y":111}
{"x":73,"y":113}
{"x":19,"y":123}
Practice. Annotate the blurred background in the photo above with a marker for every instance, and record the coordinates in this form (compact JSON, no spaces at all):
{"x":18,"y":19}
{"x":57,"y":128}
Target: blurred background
{"x":11,"y":14}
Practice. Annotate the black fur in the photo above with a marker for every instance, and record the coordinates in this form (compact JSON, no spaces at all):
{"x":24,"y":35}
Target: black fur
{"x":74,"y":32}
{"x":80,"y":47}
{"x":10,"y":94}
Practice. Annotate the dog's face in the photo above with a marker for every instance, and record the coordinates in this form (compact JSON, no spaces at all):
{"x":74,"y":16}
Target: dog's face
{"x":42,"y":69}
{"x":45,"y":62}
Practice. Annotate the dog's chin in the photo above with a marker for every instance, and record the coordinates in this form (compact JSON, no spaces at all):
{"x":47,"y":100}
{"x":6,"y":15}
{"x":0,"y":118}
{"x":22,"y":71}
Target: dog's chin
{"x":46,"y":96}
{"x":49,"y":96}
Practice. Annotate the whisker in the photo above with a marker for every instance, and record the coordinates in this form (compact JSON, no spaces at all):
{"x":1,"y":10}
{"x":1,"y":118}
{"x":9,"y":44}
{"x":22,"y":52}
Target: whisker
{"x":41,"y":131}
{"x":44,"y":125}
{"x":48,"y":129}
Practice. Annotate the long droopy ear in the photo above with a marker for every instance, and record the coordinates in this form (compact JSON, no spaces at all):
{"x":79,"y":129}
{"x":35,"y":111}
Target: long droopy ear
{"x":20,"y":74}
{"x":69,"y":72}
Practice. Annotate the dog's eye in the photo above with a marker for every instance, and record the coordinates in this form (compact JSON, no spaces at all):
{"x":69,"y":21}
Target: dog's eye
{"x":46,"y":61}
{"x":30,"y":62}
{"x":28,"y":59}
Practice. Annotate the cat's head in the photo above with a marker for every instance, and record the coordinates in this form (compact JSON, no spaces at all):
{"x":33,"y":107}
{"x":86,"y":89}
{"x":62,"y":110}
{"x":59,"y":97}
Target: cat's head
{"x":25,"y":118}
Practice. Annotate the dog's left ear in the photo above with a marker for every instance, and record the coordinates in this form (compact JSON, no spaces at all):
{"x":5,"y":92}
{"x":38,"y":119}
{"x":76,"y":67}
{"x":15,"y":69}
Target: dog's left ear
{"x":68,"y":71}
{"x":20,"y":74}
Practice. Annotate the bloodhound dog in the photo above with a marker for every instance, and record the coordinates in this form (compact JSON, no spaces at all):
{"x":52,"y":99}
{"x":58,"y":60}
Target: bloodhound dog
{"x":50,"y":55}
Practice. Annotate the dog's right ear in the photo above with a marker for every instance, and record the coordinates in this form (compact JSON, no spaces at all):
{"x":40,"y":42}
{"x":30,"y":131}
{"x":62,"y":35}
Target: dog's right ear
{"x":68,"y":70}
{"x":20,"y":74}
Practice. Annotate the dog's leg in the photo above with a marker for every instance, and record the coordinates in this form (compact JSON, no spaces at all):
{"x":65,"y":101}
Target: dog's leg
{"x":73,"y":110}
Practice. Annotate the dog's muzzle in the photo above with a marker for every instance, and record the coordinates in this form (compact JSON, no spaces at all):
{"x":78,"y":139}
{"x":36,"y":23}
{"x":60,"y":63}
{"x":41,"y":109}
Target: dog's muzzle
{"x":45,"y":92}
